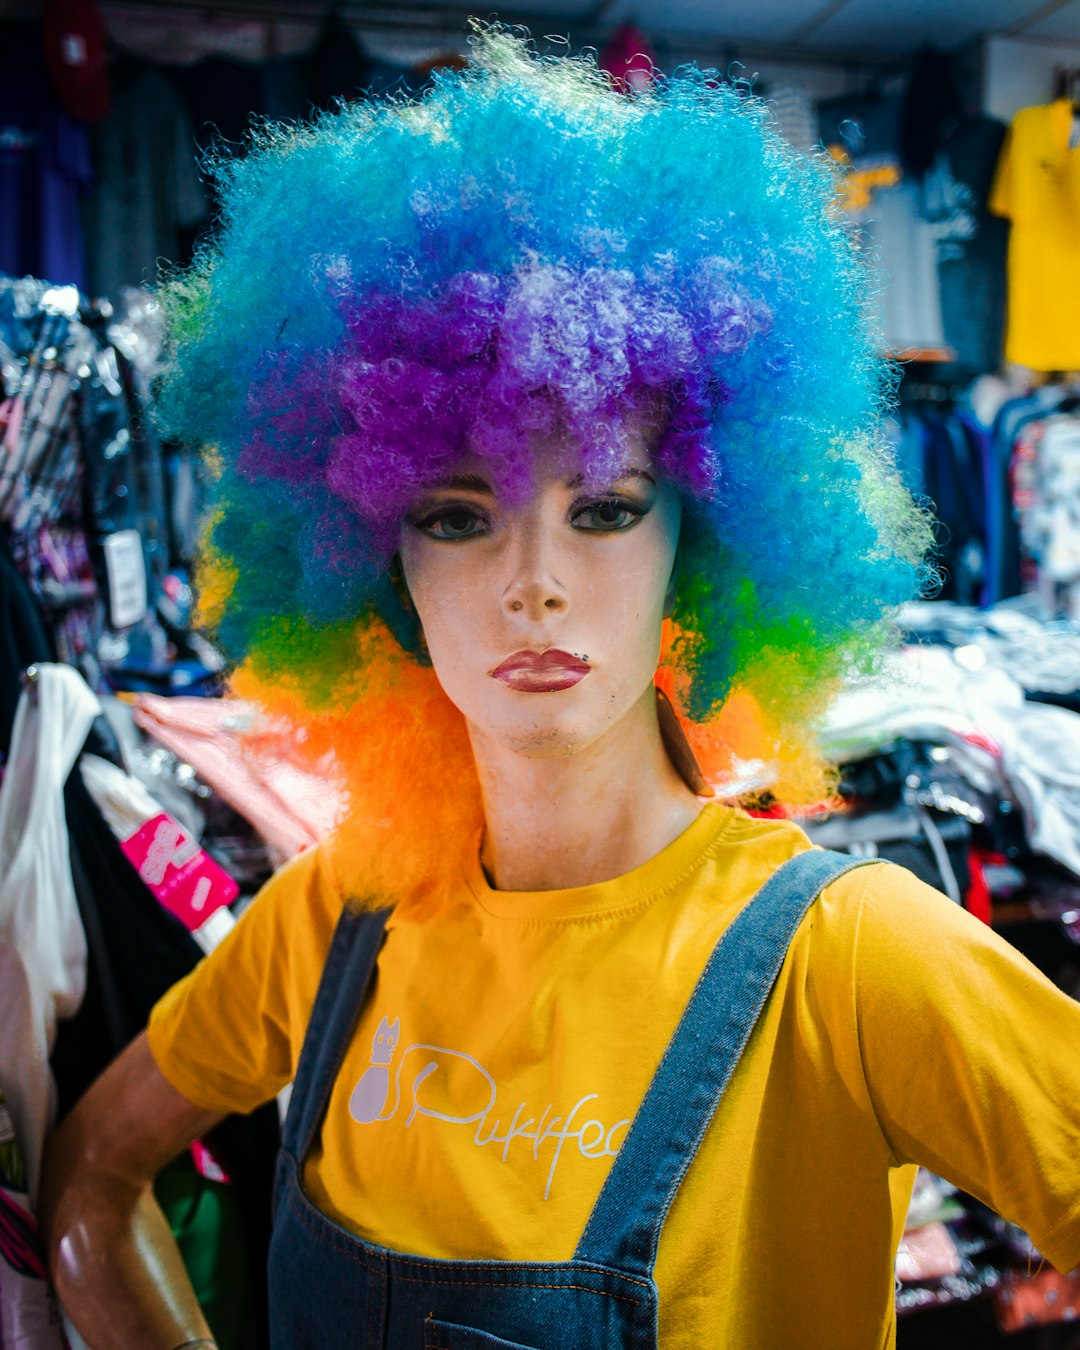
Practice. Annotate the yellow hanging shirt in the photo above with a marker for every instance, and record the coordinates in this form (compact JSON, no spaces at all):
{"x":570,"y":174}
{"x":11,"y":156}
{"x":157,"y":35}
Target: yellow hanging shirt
{"x":1037,"y":187}
{"x":508,"y":1041}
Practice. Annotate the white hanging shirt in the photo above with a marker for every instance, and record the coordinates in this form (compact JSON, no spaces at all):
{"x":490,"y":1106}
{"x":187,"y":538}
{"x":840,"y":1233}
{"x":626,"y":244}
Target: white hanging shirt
{"x":42,"y":943}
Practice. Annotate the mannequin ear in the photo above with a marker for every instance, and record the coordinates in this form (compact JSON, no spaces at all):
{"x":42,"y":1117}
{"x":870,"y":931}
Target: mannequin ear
{"x":678,"y":747}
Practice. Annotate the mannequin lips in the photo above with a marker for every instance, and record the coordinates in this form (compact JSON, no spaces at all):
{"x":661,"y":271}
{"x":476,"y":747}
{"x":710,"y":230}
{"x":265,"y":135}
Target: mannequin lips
{"x":541,"y":672}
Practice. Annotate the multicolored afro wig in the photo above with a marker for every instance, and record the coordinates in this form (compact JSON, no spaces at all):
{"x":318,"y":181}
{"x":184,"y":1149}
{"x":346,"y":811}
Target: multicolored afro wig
{"x":530,"y":249}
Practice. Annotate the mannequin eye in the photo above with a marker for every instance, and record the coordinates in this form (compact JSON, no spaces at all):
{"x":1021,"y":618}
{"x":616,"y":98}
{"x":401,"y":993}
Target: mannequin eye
{"x":606,"y":515}
{"x":453,"y":522}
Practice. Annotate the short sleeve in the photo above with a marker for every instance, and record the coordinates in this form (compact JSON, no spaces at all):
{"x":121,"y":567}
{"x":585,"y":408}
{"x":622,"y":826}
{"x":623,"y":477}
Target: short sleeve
{"x":972,"y":1059}
{"x":228,"y":1035}
{"x":1002,"y":199}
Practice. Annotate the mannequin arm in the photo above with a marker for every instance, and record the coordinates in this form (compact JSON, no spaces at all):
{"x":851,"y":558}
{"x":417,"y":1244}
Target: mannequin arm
{"x":113,"y":1260}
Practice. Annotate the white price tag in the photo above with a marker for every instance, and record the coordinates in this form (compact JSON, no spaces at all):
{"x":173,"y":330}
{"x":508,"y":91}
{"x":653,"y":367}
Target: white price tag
{"x":126,"y":570}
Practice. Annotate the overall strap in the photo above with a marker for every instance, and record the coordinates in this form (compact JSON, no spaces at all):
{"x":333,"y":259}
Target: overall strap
{"x":624,"y":1227}
{"x":343,"y":987}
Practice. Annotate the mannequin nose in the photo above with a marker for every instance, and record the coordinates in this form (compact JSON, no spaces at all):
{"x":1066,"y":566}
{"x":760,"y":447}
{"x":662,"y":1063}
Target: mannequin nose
{"x":534,"y":599}
{"x":532,"y":590}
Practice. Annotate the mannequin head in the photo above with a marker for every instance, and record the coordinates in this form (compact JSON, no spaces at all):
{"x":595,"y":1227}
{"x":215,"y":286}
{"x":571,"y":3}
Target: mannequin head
{"x":498,"y":282}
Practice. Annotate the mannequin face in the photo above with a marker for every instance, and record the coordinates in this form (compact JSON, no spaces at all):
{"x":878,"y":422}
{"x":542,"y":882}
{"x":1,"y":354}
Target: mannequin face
{"x":542,"y":618}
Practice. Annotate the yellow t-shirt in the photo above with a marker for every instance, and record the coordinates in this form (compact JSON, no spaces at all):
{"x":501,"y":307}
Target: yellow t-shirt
{"x":1037,"y":187}
{"x":509,"y":1039}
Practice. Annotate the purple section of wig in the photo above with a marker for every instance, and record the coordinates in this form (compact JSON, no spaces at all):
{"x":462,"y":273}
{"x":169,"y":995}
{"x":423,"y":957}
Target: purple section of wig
{"x":489,"y":366}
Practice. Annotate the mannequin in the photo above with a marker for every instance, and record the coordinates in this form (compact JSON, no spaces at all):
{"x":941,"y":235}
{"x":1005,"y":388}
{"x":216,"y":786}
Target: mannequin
{"x":552,"y":499}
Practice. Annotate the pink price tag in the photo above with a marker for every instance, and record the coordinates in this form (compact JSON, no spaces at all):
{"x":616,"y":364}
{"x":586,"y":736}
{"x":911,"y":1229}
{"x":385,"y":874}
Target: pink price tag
{"x":185,"y":879}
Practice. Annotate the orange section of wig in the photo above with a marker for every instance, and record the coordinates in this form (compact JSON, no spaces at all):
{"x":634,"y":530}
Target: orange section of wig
{"x":410,"y":795}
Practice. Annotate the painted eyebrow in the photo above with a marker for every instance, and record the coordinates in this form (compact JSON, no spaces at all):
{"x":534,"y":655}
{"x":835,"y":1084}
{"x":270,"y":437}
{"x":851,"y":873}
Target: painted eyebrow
{"x":628,"y":472}
{"x":473,"y":482}
{"x":470,"y":482}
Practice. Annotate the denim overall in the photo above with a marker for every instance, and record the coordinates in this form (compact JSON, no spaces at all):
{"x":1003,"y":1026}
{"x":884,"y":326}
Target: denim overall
{"x":329,"y":1289}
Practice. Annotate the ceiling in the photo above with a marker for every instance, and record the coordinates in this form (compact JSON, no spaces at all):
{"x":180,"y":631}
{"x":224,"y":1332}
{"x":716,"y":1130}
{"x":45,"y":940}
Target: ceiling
{"x":855,"y":31}
{"x":887,"y":28}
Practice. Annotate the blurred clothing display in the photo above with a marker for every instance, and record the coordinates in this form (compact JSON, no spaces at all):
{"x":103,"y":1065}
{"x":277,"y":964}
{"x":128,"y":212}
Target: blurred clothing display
{"x":1006,"y":497}
{"x":220,"y":96}
{"x":147,"y":184}
{"x":1037,"y":187}
{"x":1035,"y":440}
{"x":1046,"y":498}
{"x":339,"y":68}
{"x":223,"y":95}
{"x":91,"y":506}
{"x":952,"y":764}
{"x":934,"y":694}
{"x":930,"y":106}
{"x":900,"y":245}
{"x":66,"y":882}
{"x":1045,"y":1298}
{"x":45,"y":167}
{"x":971,"y":243}
{"x":947,"y":456}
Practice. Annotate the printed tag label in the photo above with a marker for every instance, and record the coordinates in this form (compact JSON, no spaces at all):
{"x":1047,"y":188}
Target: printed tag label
{"x":126,"y":569}
{"x":186,"y":880}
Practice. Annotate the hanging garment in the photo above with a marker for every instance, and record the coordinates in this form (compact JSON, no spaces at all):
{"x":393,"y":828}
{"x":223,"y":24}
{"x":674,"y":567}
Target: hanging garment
{"x":1046,"y":499}
{"x":148,"y":191}
{"x":1011,"y":419}
{"x":181,"y":875}
{"x":45,"y":166}
{"x":971,"y":242}
{"x":1037,"y":187}
{"x":42,"y":943}
{"x":953,"y":474}
{"x":291,"y":807}
{"x":328,"y":1288}
{"x":24,"y":639}
{"x":886,"y":208}
{"x":29,"y":1312}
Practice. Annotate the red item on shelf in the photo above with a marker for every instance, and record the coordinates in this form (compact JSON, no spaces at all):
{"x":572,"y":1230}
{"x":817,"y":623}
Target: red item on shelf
{"x":628,"y":58}
{"x":1037,"y":1300}
{"x":75,"y":50}
{"x":977,"y":901}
